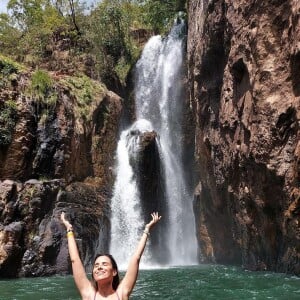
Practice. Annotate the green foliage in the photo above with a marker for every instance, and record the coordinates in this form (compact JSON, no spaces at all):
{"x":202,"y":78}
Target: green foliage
{"x":31,"y":27}
{"x":9,"y":36}
{"x":7,"y":121}
{"x":8,"y":71}
{"x":159,"y":14}
{"x":40,"y":83}
{"x":8,"y":66}
{"x":110,"y":29}
{"x":42,"y":89}
{"x":85,"y":91}
{"x":122,"y":69}
{"x":109,"y":36}
{"x":35,"y":29}
{"x":25,"y":12}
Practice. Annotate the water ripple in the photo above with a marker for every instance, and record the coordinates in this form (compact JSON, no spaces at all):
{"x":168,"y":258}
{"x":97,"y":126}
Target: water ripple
{"x":181,"y":283}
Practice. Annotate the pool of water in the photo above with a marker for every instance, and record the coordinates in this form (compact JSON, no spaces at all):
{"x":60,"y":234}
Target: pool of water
{"x":178,"y":283}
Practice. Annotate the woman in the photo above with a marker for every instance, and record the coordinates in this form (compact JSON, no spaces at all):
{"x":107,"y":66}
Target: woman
{"x":105,"y":275}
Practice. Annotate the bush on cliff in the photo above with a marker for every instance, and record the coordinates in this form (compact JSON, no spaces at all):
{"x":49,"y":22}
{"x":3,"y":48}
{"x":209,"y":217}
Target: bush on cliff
{"x":42,"y":89}
{"x":8,"y":118}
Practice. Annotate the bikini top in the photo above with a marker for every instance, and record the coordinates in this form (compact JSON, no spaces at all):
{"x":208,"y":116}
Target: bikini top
{"x":96,"y":294}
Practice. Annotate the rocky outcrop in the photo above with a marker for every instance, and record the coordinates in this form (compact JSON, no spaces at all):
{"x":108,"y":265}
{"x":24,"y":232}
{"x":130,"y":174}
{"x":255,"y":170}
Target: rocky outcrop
{"x":59,"y":157}
{"x":148,"y":169}
{"x":243,"y":59}
{"x":33,"y":241}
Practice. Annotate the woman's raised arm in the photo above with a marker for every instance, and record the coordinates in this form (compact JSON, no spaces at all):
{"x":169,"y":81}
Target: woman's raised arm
{"x":82,"y":282}
{"x":130,"y":277}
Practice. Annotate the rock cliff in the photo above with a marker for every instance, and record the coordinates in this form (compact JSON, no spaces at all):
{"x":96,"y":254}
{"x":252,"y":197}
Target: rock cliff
{"x":243,"y":60}
{"x":57,"y":140}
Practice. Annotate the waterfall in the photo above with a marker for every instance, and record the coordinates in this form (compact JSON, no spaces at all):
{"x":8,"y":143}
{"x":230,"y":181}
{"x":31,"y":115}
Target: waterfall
{"x":127,"y":223}
{"x":159,"y":107}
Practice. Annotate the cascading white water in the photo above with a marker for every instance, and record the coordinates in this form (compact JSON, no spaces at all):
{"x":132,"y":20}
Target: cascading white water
{"x":159,"y":100}
{"x":127,"y":223}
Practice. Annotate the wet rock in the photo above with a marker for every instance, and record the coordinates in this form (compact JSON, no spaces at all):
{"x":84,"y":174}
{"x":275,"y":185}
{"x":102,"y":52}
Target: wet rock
{"x":145,"y":160}
{"x":10,"y":249}
{"x":37,"y":245}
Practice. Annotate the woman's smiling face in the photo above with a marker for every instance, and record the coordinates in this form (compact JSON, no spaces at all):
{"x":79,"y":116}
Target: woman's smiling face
{"x":103,"y":268}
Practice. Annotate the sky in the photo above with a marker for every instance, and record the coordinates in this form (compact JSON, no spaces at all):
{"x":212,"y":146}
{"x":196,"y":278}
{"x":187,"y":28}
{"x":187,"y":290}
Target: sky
{"x":3,"y":4}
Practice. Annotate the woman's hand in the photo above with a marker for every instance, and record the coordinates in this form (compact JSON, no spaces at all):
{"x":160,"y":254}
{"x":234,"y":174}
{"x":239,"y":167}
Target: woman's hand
{"x":155,"y":219}
{"x":126,"y":286}
{"x":66,"y":222}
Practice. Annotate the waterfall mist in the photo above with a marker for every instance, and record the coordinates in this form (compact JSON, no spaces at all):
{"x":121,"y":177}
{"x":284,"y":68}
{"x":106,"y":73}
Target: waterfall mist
{"x":159,"y":109}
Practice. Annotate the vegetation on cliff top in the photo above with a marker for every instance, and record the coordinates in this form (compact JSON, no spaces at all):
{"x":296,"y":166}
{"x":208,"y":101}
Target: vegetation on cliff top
{"x":9,"y":69}
{"x":66,"y":36}
{"x":85,"y":91}
{"x":41,"y":87}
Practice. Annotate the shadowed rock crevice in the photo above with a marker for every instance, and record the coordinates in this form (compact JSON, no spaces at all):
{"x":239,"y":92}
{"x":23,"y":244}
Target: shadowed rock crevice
{"x":211,"y":221}
{"x":286,"y":125}
{"x":258,"y":213}
{"x":295,"y":73}
{"x":241,"y":81}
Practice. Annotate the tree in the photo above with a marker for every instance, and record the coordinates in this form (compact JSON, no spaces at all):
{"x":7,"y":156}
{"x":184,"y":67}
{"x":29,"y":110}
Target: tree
{"x":109,"y":36}
{"x":70,"y":9}
{"x":9,"y":36}
{"x":38,"y":24}
{"x":26,"y":13}
{"x":159,"y":13}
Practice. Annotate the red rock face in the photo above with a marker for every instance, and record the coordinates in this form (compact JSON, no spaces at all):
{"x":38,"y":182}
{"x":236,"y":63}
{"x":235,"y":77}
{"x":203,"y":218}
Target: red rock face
{"x":64,"y":141}
{"x":244,"y":75}
{"x":58,"y":159}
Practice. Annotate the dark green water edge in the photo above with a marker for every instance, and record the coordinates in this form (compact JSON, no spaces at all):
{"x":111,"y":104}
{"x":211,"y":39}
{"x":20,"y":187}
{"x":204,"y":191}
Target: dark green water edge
{"x":178,"y":283}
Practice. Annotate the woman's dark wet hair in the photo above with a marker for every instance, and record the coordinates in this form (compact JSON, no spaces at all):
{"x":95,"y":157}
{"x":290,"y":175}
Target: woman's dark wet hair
{"x":116,"y":279}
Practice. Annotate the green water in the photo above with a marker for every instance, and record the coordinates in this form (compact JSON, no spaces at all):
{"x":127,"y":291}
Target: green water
{"x":198,"y":282}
